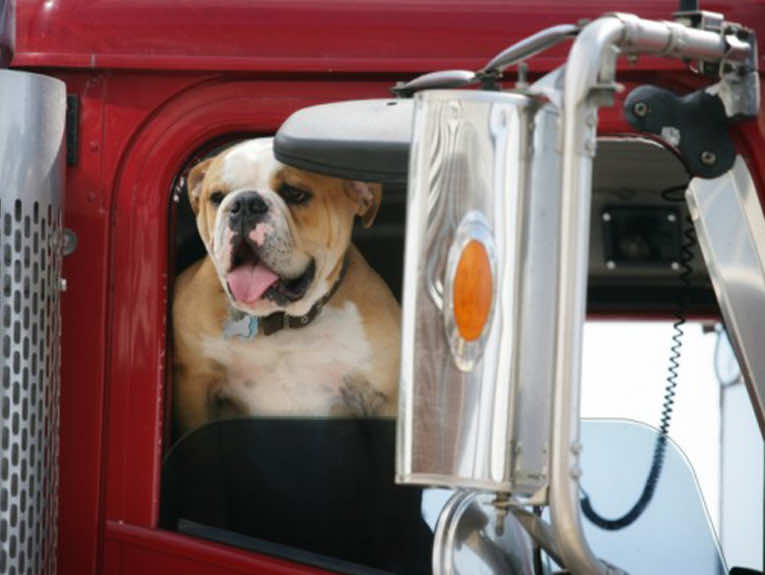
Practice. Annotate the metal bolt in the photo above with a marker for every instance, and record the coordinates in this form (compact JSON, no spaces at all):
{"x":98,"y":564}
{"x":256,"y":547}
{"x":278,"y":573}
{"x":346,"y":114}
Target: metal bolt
{"x":675,"y":266}
{"x":640,"y":109}
{"x":62,"y":284}
{"x":606,"y":217}
{"x":708,"y":158}
{"x":70,"y":242}
{"x":610,"y":264}
{"x":500,"y":505}
{"x":575,"y":472}
{"x":576,"y":448}
{"x":523,"y":69}
{"x":671,"y":217}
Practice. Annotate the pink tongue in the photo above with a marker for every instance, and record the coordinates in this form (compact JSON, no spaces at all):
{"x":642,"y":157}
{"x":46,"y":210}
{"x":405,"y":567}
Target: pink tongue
{"x":248,"y":282}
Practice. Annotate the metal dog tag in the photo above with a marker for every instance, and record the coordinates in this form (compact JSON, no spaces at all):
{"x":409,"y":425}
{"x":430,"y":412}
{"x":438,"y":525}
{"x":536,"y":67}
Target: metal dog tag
{"x":240,"y":325}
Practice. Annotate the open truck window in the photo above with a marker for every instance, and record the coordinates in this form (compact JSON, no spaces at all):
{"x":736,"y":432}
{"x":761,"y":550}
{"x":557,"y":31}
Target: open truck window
{"x":315,"y":490}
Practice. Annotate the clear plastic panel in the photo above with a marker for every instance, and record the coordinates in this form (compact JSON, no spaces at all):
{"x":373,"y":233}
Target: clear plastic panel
{"x":674,"y":534}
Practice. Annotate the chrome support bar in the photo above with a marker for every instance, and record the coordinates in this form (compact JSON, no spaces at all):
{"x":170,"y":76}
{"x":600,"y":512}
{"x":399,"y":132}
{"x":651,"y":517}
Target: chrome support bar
{"x":676,"y":40}
{"x":730,"y":226}
{"x":579,"y":132}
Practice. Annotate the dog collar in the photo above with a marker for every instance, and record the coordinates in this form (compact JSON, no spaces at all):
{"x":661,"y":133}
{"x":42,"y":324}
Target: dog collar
{"x":247,"y":326}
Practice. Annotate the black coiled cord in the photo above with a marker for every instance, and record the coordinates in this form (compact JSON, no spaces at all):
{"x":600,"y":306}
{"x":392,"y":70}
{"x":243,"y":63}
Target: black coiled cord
{"x":686,"y":257}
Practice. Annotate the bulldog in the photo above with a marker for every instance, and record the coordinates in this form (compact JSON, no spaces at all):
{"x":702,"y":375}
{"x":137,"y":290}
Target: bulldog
{"x":283,"y":317}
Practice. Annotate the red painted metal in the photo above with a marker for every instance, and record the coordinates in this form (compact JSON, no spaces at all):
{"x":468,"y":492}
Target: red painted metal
{"x":300,"y":36}
{"x":133,"y":550}
{"x":157,"y":80}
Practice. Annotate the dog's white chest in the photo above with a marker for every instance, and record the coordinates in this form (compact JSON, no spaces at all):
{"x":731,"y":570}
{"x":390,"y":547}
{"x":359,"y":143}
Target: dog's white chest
{"x":294,"y":371}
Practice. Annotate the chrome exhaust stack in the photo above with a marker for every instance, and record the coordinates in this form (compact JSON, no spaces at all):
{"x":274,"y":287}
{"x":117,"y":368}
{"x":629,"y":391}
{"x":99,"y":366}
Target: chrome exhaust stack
{"x":32,"y":156}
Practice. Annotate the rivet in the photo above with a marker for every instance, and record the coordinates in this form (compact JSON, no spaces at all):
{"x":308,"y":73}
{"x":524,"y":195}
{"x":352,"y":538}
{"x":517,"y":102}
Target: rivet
{"x":606,"y":217}
{"x":640,"y":109}
{"x":610,"y":264}
{"x":708,"y":158}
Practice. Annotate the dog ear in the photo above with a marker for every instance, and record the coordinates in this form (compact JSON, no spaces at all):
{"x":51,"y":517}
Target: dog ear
{"x":368,"y":196}
{"x":194,"y":182}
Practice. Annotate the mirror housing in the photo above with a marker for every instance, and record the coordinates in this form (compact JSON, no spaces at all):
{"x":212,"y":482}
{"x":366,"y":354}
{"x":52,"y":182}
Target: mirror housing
{"x":366,"y":140}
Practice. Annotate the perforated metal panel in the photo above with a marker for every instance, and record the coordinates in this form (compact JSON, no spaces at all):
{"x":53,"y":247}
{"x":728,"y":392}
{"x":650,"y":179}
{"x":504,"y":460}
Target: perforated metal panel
{"x":32,"y":111}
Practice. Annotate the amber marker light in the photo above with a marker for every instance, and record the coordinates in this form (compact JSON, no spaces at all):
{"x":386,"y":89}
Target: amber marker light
{"x":472,"y":290}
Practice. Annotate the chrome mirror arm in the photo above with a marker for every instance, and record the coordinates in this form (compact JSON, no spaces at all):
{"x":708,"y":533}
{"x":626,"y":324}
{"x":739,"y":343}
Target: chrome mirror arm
{"x":589,"y":76}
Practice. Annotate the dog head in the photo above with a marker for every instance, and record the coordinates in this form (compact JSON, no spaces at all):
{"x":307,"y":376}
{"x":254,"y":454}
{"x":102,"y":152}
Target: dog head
{"x":276,"y":235}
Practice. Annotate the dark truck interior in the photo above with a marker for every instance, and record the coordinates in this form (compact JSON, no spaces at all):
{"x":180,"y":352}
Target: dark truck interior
{"x":306,"y":489}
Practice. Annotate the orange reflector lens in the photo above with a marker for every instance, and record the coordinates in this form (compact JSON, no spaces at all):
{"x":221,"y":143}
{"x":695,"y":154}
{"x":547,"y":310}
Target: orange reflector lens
{"x":472,"y":290}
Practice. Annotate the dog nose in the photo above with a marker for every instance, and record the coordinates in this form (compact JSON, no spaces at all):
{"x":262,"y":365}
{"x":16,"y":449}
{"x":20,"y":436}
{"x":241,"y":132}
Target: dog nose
{"x":252,"y":202}
{"x":246,"y":210}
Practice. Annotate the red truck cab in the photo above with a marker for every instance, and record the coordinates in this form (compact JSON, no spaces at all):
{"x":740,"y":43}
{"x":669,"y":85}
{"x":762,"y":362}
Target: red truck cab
{"x":153,"y":85}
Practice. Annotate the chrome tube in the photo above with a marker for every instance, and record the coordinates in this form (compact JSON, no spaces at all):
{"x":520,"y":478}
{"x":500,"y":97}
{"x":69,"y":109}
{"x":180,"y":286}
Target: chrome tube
{"x":677,"y":41}
{"x":579,"y":133}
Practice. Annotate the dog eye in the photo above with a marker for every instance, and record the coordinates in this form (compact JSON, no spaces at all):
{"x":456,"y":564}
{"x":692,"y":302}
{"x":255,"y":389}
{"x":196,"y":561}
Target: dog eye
{"x":293,"y":195}
{"x":216,"y":198}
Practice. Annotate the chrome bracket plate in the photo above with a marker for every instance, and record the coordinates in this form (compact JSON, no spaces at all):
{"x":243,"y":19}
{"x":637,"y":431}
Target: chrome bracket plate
{"x":730,"y":226}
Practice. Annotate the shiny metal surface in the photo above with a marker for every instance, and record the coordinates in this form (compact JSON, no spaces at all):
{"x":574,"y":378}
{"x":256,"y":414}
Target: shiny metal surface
{"x":470,"y":153}
{"x":672,"y":39}
{"x":731,"y":231}
{"x":536,"y":327}
{"x":579,"y":132}
{"x":467,"y":540}
{"x":32,"y":176}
